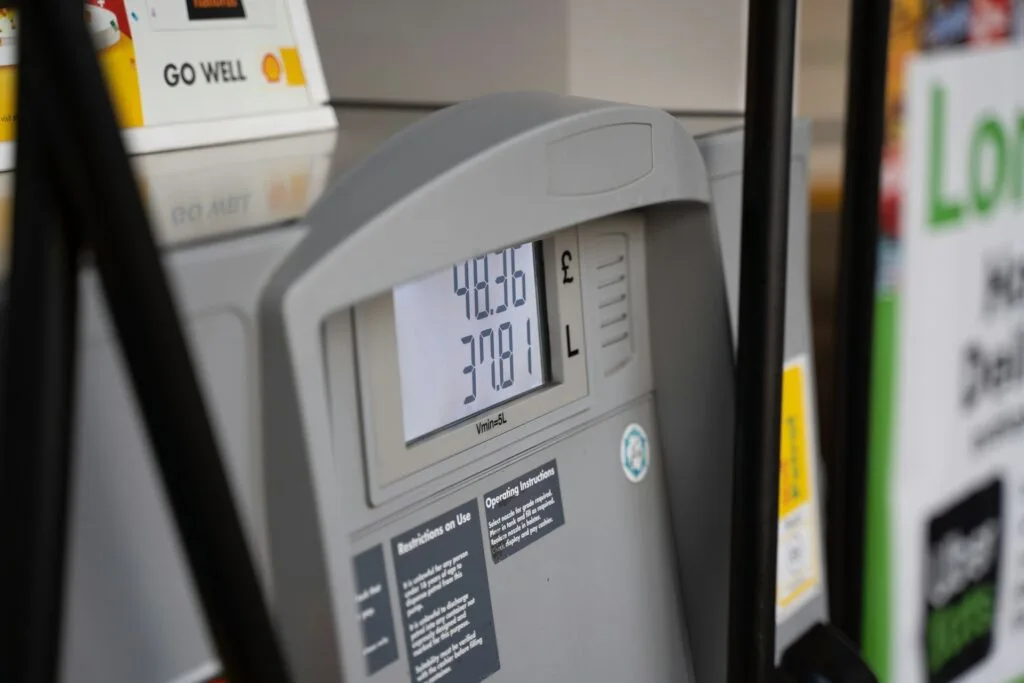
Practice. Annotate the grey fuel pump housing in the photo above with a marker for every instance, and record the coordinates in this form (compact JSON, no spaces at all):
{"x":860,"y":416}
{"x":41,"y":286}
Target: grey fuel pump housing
{"x":635,"y":568}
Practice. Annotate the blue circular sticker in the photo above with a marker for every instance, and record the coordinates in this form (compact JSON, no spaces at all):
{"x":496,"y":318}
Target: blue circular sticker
{"x":635,"y":453}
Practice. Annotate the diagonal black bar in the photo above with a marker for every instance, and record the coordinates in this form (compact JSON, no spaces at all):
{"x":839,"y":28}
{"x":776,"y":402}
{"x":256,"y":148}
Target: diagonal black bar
{"x":115,"y":225}
{"x":36,"y":404}
{"x":855,"y":305}
{"x":759,"y":354}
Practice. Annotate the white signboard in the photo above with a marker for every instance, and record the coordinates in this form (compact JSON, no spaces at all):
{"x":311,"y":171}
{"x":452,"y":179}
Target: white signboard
{"x":945,"y":574}
{"x":186,"y":73}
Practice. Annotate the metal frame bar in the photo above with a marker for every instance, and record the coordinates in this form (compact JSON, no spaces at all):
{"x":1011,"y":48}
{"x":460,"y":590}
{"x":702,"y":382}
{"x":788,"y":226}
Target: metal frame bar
{"x":759,"y":355}
{"x":36,"y":403}
{"x":855,"y":308}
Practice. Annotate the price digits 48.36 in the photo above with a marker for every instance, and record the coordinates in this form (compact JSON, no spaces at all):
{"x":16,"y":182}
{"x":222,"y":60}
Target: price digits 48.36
{"x":472,"y":282}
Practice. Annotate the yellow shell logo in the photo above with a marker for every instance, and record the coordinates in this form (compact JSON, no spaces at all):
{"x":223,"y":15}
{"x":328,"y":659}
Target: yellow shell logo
{"x":271,"y":68}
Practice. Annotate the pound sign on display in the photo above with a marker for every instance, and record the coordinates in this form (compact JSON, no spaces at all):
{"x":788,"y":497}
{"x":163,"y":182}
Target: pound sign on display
{"x":566,"y":260}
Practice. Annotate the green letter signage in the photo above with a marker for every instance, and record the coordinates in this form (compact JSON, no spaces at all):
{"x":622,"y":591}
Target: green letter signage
{"x":988,"y":133}
{"x":941,"y":211}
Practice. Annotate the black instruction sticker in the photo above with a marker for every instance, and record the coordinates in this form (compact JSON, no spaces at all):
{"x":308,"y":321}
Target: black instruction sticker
{"x":523,"y":510}
{"x":964,"y":544}
{"x":374,"y":604}
{"x":446,"y":600}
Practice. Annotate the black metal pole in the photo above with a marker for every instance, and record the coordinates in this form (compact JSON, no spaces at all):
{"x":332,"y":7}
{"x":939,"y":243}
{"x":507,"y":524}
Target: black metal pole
{"x":759,"y":355}
{"x":116,"y":226}
{"x":858,"y":245}
{"x":36,"y":403}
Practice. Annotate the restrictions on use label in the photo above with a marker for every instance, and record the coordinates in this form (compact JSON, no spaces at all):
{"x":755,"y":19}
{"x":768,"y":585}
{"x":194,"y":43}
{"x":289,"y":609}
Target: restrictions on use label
{"x":523,"y":510}
{"x":446,"y":599}
{"x":374,"y":604}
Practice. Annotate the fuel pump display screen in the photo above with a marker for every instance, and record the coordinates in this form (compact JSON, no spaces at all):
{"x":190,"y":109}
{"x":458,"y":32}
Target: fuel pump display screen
{"x":470,"y":337}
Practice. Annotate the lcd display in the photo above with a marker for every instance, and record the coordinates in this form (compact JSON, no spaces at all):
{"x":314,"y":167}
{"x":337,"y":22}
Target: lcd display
{"x":470,"y":337}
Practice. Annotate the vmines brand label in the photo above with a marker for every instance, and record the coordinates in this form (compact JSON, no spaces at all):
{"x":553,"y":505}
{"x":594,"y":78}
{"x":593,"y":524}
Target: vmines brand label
{"x":963,"y":562}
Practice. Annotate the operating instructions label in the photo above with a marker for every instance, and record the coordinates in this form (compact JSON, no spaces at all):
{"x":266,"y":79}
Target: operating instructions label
{"x":523,"y":510}
{"x":374,"y":605}
{"x":446,"y":599}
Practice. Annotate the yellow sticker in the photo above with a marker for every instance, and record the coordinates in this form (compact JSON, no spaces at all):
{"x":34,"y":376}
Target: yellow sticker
{"x":292,"y":66}
{"x":799,"y":548}
{"x":794,"y":475}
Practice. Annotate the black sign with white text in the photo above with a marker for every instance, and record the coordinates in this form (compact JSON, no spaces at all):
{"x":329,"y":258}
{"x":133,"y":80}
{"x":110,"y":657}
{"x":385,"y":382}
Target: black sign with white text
{"x":523,"y":510}
{"x":445,"y":599}
{"x":964,"y":543}
{"x":374,"y":605}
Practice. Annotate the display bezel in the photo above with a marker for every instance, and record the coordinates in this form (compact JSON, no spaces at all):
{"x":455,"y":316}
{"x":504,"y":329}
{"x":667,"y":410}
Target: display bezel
{"x":391,"y":461}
